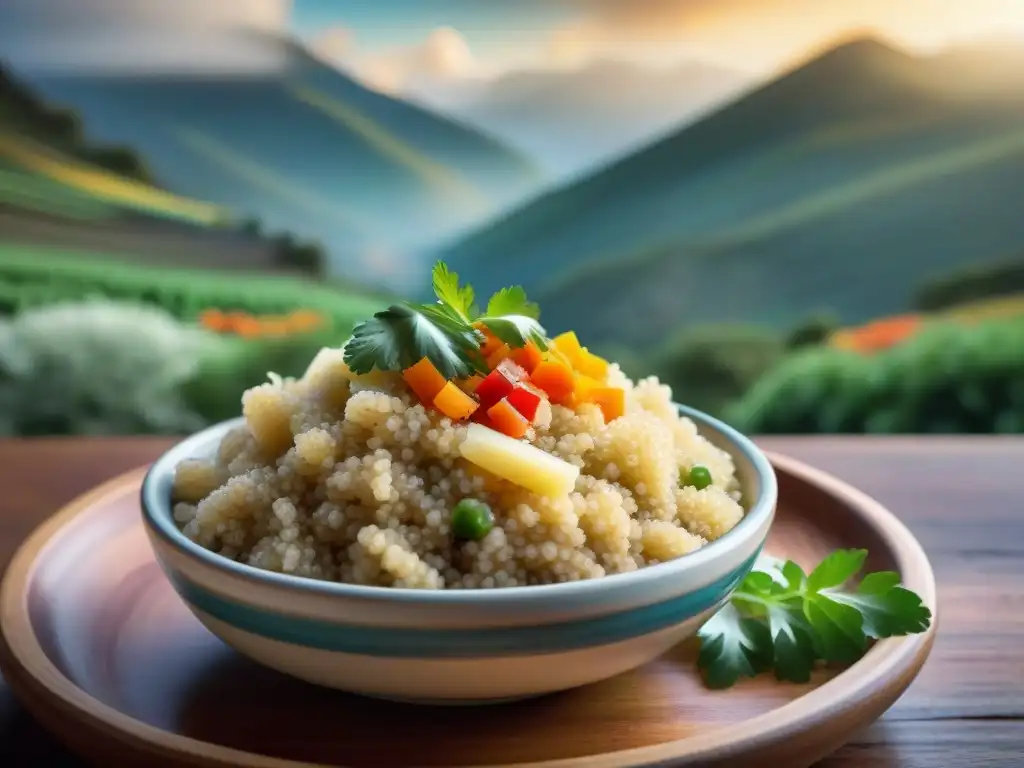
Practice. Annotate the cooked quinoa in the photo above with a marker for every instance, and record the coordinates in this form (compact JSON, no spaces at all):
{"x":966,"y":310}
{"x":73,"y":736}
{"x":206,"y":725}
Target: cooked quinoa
{"x":350,"y":479}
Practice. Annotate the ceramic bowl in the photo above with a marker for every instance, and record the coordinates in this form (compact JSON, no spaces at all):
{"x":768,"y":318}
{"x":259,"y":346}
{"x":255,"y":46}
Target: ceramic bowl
{"x":458,"y":646}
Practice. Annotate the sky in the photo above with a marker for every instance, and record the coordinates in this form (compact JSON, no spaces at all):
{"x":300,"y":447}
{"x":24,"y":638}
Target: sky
{"x":390,"y":40}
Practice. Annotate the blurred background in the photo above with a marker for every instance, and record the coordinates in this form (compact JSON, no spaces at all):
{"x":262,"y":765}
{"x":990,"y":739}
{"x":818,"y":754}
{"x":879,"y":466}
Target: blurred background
{"x":805,"y":215}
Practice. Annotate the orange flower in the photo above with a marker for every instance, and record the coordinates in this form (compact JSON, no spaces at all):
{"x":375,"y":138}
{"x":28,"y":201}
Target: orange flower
{"x":255,"y":326}
{"x":878,"y":334}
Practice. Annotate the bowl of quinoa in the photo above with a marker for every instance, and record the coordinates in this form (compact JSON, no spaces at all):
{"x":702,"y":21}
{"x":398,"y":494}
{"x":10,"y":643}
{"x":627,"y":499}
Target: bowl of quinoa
{"x":397,"y":531}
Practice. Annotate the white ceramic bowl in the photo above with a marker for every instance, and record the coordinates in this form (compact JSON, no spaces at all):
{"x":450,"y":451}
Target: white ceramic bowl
{"x":458,"y":646}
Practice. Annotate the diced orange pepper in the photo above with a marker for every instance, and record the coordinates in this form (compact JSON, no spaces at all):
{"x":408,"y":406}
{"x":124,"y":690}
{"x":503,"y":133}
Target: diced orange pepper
{"x":470,"y":384}
{"x":528,"y":357}
{"x":490,"y":343}
{"x":584,"y":388}
{"x":425,"y":380}
{"x":556,"y":379}
{"x":507,"y":420}
{"x":591,"y":365}
{"x":568,"y":344}
{"x":454,"y":403}
{"x":501,"y":353}
{"x":611,"y":401}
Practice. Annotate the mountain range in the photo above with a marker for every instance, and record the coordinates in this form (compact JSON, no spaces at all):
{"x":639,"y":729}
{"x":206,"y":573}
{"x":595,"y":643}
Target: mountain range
{"x":837,"y":186}
{"x":571,"y":120}
{"x":306,"y":149}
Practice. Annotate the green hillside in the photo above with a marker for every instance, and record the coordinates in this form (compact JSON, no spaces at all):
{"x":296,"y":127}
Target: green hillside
{"x":385,"y":175}
{"x":792,"y":199}
{"x":39,"y":276}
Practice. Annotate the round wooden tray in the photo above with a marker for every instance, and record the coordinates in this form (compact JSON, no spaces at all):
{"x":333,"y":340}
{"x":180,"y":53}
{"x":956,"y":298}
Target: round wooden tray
{"x":99,"y":648}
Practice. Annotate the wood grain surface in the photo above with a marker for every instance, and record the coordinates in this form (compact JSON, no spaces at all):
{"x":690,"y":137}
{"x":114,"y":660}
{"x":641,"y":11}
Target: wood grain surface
{"x":962,"y":499}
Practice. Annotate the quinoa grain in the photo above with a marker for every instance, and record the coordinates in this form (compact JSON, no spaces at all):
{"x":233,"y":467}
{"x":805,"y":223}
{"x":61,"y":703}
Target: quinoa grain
{"x":350,"y":479}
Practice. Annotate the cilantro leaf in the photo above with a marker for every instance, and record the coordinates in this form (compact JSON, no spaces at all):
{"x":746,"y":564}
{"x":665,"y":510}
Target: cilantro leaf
{"x":449,"y":292}
{"x":514,"y":319}
{"x":792,"y":644}
{"x":782,"y":619}
{"x":401,"y":335}
{"x":732,"y":647}
{"x":838,"y":629}
{"x":512,"y":301}
{"x":887,"y":609}
{"x":836,"y":569}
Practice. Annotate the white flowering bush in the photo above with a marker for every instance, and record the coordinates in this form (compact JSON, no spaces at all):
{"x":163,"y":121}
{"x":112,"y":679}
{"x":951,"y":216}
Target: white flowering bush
{"x":98,"y":368}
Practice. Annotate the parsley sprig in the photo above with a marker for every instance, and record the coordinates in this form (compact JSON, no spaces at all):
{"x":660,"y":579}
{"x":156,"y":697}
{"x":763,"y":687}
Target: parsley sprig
{"x":445,"y":332}
{"x":784,"y":620}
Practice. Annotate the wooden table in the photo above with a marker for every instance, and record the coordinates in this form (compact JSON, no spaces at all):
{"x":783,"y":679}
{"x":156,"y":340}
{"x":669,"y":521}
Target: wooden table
{"x":962,"y":497}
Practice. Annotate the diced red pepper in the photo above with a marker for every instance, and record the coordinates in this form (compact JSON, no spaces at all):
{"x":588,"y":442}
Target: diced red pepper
{"x":496,"y":385}
{"x":528,"y":357}
{"x":507,"y":419}
{"x":499,"y":383}
{"x":454,"y":403}
{"x":525,"y":399}
{"x":425,"y":380}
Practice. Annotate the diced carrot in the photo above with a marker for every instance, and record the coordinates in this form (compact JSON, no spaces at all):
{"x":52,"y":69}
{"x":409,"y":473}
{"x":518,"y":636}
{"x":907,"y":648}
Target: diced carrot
{"x":425,"y":380}
{"x":470,"y":384}
{"x":498,"y":355}
{"x":589,"y":364}
{"x":525,"y":399}
{"x":556,"y":379}
{"x":568,"y":344}
{"x":611,"y":401}
{"x":454,"y":403}
{"x":507,"y":420}
{"x":490,"y":343}
{"x":527,"y":356}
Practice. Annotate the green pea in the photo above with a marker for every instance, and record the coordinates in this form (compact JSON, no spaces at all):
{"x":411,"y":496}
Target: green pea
{"x":471,"y":520}
{"x":699,"y":477}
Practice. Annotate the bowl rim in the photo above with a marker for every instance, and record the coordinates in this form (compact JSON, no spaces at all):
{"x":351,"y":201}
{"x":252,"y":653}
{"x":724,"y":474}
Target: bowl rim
{"x":157,"y":514}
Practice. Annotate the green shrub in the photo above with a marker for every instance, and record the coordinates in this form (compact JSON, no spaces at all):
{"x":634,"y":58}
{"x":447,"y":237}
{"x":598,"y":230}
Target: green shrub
{"x":707,"y":367}
{"x":710,"y":367}
{"x":974,"y":283}
{"x":38,"y":277}
{"x":812,"y":332}
{"x":951,"y":378}
{"x":215,"y":390}
{"x":97,"y":368}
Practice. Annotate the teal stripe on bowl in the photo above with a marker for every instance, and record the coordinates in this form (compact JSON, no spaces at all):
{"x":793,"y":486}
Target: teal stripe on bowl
{"x":459,"y":643}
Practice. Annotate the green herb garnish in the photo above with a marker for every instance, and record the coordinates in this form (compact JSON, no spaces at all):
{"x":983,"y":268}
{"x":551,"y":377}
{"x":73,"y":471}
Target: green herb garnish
{"x":784,"y":620}
{"x":443,"y":332}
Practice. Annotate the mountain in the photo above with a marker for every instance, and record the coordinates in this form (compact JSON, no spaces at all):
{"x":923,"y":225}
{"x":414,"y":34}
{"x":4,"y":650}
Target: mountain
{"x":304,"y":148}
{"x":59,"y":189}
{"x":796,"y":197}
{"x":569,"y":120}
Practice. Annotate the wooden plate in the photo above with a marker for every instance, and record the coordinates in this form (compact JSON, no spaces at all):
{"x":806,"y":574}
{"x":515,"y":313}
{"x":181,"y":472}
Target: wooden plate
{"x":101,"y":651}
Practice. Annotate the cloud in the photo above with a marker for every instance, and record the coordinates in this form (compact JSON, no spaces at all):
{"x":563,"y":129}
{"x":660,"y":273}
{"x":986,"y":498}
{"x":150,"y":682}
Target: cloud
{"x":142,"y":35}
{"x":442,"y":56}
{"x":767,"y":32}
